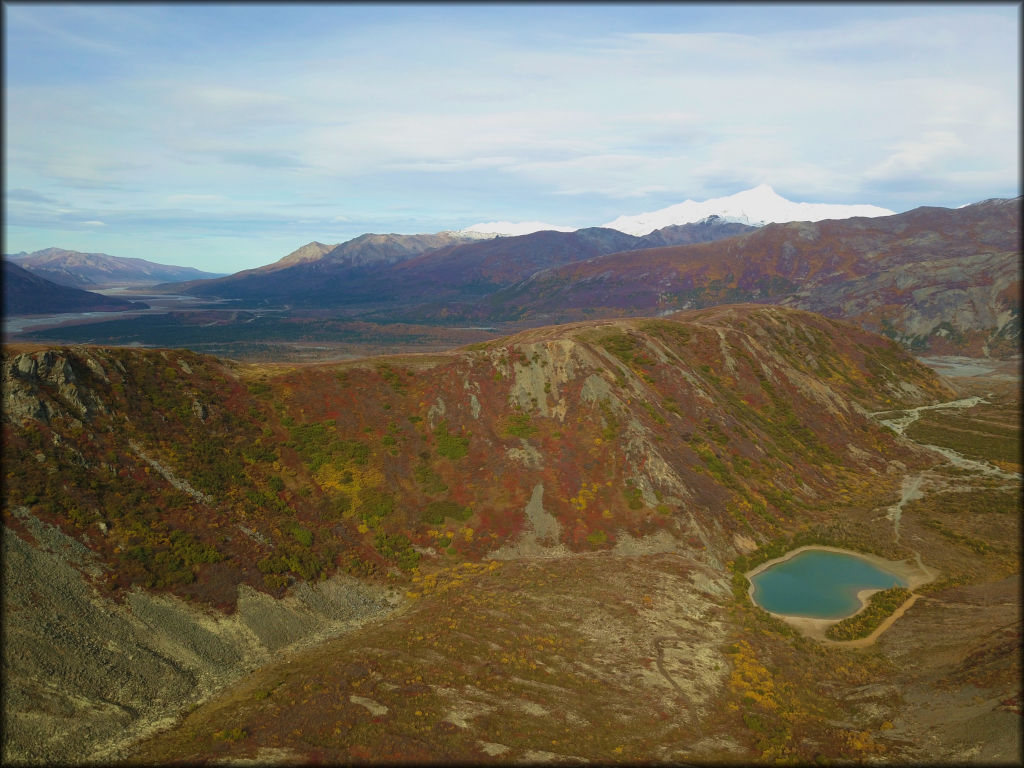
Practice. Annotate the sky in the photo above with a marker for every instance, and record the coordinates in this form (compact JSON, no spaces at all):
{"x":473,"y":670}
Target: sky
{"x":224,"y":136}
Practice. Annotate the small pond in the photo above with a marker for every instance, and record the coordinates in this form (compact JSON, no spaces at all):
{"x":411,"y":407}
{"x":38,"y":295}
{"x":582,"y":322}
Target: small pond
{"x":819,"y":584}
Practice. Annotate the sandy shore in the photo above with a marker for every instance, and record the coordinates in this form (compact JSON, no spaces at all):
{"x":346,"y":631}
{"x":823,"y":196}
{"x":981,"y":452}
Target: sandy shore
{"x":915,"y":575}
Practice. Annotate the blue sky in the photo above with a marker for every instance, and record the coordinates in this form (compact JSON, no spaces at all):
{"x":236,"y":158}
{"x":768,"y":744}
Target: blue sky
{"x":225,"y":136}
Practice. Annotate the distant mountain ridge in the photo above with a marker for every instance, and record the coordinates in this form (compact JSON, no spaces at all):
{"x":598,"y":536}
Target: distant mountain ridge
{"x":403,"y":269}
{"x":98,"y":270}
{"x":933,"y":278}
{"x":366,"y":251}
{"x":26,"y":293}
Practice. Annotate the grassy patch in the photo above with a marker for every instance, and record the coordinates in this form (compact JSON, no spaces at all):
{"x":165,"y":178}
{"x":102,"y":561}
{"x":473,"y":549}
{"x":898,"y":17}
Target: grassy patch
{"x":971,"y":437}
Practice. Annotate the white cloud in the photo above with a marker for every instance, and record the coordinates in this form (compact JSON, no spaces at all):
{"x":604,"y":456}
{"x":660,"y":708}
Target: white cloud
{"x":913,"y":158}
{"x":191,"y":198}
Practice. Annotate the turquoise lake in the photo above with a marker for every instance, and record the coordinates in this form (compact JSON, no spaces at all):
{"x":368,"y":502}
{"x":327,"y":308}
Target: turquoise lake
{"x":819,"y":584}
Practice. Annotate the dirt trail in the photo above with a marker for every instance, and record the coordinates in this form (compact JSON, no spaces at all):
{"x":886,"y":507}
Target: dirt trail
{"x":910,"y":490}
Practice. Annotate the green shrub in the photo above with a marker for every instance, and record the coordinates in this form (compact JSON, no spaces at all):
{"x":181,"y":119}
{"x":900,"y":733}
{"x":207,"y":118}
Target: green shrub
{"x":428,"y":479}
{"x":634,"y":498}
{"x":375,"y":505}
{"x":319,"y":444}
{"x":303,"y":536}
{"x":448,"y":445}
{"x":436,"y":511}
{"x":397,"y":547}
{"x":391,"y":376}
{"x":880,"y":606}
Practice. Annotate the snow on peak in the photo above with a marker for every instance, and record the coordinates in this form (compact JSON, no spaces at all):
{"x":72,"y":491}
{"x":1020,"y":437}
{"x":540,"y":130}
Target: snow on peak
{"x":758,"y":206}
{"x":513,"y":228}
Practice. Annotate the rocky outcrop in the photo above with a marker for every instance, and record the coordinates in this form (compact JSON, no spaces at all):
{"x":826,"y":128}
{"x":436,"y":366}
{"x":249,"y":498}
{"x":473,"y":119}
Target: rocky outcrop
{"x":42,"y":385}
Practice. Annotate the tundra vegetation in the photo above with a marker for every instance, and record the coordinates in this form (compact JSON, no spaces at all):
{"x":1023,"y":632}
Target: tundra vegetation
{"x":564,"y":517}
{"x":880,"y":606}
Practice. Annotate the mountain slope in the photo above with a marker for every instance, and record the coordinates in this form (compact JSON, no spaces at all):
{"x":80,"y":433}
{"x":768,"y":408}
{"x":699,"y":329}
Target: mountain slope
{"x":935,"y":278}
{"x":26,"y":293}
{"x":705,"y":230}
{"x":97,"y":270}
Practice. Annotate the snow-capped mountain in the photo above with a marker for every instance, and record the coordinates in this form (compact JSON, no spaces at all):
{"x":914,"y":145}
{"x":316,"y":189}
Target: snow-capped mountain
{"x":757,"y":206}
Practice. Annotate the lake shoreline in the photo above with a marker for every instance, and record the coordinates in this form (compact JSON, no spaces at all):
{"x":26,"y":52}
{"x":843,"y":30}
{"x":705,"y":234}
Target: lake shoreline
{"x":914,"y":574}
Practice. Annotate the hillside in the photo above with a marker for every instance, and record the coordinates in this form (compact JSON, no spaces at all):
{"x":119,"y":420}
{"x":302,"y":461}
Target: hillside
{"x":295,"y":501}
{"x":99,"y":270}
{"x":26,"y":293}
{"x":935,"y":279}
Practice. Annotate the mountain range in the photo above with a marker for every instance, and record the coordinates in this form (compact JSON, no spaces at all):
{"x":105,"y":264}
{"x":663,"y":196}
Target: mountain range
{"x":944,"y":280}
{"x":407,"y":269}
{"x":100,"y":270}
{"x":935,"y":278}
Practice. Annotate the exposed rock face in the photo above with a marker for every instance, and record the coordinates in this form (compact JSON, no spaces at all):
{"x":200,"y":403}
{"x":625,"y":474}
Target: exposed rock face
{"x":87,"y":676}
{"x":39,"y":385}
